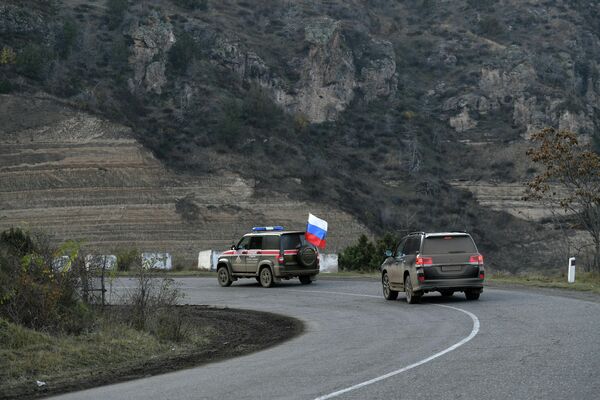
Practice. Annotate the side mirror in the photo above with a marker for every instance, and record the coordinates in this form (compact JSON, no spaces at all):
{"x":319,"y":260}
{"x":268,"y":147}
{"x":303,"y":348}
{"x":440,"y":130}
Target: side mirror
{"x":233,"y":247}
{"x":388,"y":253}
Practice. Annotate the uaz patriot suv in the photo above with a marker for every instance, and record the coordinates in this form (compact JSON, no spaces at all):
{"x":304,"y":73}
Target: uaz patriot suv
{"x":269,"y":254}
{"x":445,"y":262}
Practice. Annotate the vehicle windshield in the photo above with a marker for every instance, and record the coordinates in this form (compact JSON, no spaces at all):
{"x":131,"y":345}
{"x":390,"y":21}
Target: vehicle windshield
{"x":449,"y":245}
{"x":292,"y":241}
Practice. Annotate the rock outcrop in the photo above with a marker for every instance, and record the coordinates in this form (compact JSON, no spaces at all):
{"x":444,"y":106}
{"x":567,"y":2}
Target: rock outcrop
{"x":152,"y":40}
{"x":330,"y":74}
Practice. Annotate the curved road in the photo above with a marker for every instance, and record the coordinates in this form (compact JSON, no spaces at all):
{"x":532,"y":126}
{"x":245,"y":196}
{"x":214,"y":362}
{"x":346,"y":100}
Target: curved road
{"x":508,"y":345}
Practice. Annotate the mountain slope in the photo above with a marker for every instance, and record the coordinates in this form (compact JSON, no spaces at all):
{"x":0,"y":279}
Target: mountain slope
{"x":373,"y":108}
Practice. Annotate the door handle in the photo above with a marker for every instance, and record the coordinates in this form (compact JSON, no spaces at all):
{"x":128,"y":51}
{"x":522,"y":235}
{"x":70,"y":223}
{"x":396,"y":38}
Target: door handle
{"x":258,"y":252}
{"x":244,"y":252}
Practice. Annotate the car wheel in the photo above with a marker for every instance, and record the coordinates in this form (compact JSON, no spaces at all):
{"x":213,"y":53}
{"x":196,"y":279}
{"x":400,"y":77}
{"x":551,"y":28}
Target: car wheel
{"x":411,"y":297}
{"x":224,"y":277}
{"x":472,"y":295}
{"x":305,"y":280}
{"x":388,"y":293}
{"x":266,"y":277}
{"x":447,"y":293}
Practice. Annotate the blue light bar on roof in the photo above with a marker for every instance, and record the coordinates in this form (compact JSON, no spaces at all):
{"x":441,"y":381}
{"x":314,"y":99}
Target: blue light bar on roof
{"x":267,"y":228}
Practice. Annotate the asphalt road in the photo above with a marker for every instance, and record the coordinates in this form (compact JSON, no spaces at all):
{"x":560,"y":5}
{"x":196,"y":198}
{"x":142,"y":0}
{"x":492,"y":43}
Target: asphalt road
{"x":511,"y":344}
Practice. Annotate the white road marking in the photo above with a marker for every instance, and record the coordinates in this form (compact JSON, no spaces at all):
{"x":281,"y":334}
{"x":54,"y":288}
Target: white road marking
{"x":455,"y":346}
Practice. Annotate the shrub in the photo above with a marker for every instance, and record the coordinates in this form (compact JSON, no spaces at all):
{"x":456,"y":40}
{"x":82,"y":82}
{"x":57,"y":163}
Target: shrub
{"x":192,"y":4}
{"x":128,"y":259}
{"x":116,"y":12}
{"x":152,"y":294}
{"x":182,"y":52}
{"x":490,"y":26}
{"x":5,"y":86}
{"x":66,"y":38}
{"x":7,"y":56}
{"x":35,"y":294}
{"x":366,"y":256}
{"x":33,"y":61}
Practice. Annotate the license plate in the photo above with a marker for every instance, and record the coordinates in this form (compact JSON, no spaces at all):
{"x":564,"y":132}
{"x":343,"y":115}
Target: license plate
{"x":451,"y":268}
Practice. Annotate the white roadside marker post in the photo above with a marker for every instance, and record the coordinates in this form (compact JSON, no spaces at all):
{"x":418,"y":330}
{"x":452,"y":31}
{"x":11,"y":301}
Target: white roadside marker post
{"x":571,"y":274}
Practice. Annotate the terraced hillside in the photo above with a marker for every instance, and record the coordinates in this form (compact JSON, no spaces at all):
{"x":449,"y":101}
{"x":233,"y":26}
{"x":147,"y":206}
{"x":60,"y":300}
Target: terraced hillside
{"x":77,"y":176}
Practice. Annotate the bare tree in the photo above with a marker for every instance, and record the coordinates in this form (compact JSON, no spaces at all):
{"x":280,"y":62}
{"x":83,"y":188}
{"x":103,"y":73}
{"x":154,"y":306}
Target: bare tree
{"x":570,"y":180}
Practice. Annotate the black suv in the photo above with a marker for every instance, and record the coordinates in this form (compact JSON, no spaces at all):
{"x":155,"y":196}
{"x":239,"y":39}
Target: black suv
{"x":269,"y":254}
{"x":444,"y":262}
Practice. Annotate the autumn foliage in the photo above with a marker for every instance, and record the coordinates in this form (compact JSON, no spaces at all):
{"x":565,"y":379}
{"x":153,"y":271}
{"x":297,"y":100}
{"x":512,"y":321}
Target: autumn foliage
{"x":570,"y":179}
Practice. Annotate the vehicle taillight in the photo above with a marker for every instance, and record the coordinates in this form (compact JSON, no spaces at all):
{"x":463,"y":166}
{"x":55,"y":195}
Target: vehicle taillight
{"x":281,"y":259}
{"x":481,"y":275}
{"x":476,"y":259}
{"x":424,"y":261}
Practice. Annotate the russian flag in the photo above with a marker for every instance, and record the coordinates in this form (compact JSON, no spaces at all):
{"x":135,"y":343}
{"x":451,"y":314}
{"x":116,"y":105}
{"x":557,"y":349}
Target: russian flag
{"x":316,"y":231}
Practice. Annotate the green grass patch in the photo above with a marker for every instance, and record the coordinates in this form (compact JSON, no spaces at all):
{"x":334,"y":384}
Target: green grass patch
{"x":584,"y":281}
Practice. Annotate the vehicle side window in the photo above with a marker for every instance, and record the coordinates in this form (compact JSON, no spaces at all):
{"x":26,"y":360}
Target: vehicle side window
{"x":270,"y":242}
{"x":256,"y":243}
{"x":400,"y":248}
{"x":412,"y":245}
{"x":244,"y":244}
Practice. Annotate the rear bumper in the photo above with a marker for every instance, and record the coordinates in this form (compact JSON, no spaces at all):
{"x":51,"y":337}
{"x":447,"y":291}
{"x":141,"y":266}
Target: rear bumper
{"x":450,"y":284}
{"x":282,"y":271}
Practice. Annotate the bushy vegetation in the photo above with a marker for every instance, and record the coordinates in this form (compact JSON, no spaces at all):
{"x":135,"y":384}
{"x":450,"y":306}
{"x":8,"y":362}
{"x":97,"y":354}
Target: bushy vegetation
{"x":116,"y":12}
{"x":366,"y":256}
{"x":192,"y":4}
{"x":34,"y":292}
{"x":183,"y":52}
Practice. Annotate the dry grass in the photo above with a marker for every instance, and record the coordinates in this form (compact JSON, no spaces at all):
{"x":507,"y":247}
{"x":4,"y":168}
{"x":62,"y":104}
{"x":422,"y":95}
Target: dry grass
{"x":585,"y":281}
{"x":28,"y":356}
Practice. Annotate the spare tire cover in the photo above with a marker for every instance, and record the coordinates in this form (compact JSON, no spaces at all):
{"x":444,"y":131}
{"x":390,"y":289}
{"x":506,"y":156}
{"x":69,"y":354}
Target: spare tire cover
{"x":307,"y":256}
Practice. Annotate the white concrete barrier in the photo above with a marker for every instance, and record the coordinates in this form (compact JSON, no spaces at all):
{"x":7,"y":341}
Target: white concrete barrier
{"x":205,"y":260}
{"x":208,"y":259}
{"x":152,"y":260}
{"x":328,"y":262}
{"x":108,"y":261}
{"x":61,"y":264}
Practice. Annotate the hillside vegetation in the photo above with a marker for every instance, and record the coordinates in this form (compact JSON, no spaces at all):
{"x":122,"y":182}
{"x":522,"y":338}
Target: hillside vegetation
{"x":394,"y":112}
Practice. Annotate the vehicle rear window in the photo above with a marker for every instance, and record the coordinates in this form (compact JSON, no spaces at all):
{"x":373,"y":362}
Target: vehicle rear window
{"x":292,"y":241}
{"x":448,"y":244}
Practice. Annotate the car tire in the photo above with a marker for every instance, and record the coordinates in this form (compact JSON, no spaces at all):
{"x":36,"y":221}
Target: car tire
{"x":307,"y":256}
{"x":305,"y":280}
{"x":447,"y":293}
{"x":224,"y":277}
{"x":265,"y":277}
{"x":388,"y":293}
{"x":472,"y":295}
{"x":411,"y":296}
